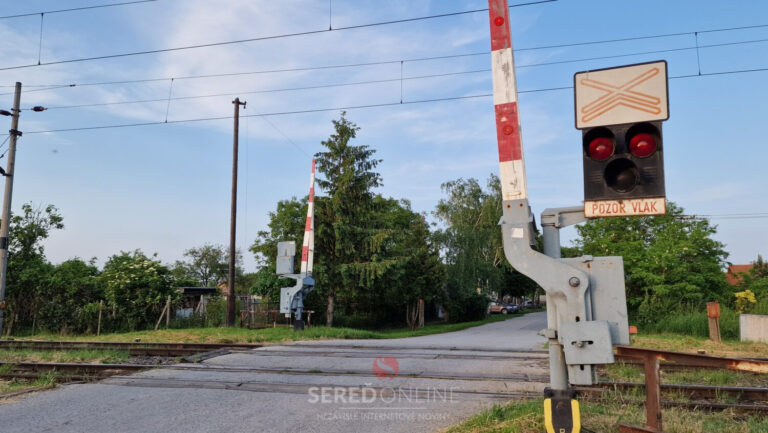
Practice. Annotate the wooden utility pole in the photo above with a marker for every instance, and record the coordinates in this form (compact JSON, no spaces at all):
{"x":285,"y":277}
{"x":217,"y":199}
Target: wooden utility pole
{"x":233,"y":220}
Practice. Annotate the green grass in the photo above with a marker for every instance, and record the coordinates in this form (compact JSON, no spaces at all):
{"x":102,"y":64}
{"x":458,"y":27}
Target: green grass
{"x":275,"y":335}
{"x":692,"y":344}
{"x":527,"y":417}
{"x":621,"y":372}
{"x":105,"y":356}
{"x":696,"y":323}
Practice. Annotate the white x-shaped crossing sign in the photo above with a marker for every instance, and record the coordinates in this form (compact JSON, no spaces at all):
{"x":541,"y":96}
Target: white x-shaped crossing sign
{"x":627,"y":94}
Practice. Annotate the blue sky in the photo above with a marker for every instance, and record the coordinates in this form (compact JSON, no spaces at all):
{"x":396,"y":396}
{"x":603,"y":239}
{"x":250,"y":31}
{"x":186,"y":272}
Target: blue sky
{"x":165,"y":188}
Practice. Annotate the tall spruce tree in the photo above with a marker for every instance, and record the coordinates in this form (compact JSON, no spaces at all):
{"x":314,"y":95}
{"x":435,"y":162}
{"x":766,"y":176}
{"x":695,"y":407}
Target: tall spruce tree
{"x":344,"y":215}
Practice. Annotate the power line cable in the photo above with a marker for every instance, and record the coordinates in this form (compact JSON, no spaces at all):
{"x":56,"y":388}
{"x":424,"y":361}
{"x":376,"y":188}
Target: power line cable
{"x":31,"y":14}
{"x":353,"y":107}
{"x":263,"y":38}
{"x":284,"y":135}
{"x":395,"y":61}
{"x":286,"y":89}
{"x":389,"y":80}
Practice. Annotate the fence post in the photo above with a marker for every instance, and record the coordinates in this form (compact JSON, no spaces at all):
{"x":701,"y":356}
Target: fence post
{"x":160,"y":319}
{"x":713,"y":315}
{"x":168,"y":312}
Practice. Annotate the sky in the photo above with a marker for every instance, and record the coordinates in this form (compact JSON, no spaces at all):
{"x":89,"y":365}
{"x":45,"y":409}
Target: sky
{"x":164,"y":188}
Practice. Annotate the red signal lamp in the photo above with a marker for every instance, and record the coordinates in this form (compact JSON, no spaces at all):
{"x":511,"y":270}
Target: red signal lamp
{"x":642,"y":145}
{"x":601,"y":148}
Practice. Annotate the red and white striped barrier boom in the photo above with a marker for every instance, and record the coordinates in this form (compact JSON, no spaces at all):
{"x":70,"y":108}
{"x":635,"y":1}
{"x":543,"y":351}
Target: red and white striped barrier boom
{"x":308,"y":246}
{"x":512,"y":166}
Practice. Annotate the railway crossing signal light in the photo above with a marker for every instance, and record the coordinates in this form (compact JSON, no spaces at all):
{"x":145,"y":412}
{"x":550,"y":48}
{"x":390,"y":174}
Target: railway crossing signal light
{"x":623,"y":162}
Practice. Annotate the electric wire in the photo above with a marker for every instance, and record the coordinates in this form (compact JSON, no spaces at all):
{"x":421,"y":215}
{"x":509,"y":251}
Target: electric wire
{"x":385,"y":62}
{"x":389,"y":80}
{"x":263,"y":38}
{"x":353,"y":107}
{"x":264,"y":118}
{"x":31,"y":14}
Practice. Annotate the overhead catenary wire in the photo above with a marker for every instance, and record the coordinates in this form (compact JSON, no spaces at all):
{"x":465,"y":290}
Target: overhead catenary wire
{"x":5,"y":140}
{"x":389,"y":80}
{"x":263,"y":38}
{"x":354,"y":107}
{"x":264,"y":118}
{"x":82,"y":8}
{"x":48,"y":87}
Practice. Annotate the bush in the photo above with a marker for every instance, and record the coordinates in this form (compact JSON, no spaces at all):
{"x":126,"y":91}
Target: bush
{"x":470,"y":308}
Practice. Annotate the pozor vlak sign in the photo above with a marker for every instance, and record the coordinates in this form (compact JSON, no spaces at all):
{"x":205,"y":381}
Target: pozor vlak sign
{"x":620,"y":113}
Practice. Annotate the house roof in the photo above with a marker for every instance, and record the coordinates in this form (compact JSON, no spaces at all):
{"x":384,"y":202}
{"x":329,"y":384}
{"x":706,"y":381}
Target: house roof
{"x":733,"y":276}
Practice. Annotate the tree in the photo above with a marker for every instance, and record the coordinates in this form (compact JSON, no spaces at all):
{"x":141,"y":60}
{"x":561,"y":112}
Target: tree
{"x":470,"y":244}
{"x":69,"y":297}
{"x":208,"y":264}
{"x":669,"y":260}
{"x":137,"y":286}
{"x":373,"y":255}
{"x":343,"y":217}
{"x":27,"y":265}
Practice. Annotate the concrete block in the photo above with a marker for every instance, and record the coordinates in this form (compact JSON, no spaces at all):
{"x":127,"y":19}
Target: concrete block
{"x":754,"y":327}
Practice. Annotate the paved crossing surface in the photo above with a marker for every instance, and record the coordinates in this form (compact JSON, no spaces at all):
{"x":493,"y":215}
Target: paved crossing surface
{"x":400,"y":385}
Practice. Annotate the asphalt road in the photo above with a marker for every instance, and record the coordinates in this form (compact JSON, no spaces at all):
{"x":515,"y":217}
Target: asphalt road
{"x":402,"y":385}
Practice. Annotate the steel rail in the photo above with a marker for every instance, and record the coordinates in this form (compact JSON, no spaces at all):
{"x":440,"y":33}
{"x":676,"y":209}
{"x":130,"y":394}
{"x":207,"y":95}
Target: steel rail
{"x":68,"y":345}
{"x":691,"y":390}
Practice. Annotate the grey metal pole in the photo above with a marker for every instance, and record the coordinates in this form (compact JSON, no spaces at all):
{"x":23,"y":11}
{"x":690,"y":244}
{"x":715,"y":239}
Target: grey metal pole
{"x":558,"y":372}
{"x":5,"y":224}
{"x":233,"y":220}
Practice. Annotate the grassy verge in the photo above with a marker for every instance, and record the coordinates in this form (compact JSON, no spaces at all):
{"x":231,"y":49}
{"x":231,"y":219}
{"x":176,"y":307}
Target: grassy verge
{"x":104,"y":356}
{"x":47,"y":380}
{"x":686,"y":343}
{"x":621,"y":372}
{"x":527,"y":417}
{"x":274,"y":335}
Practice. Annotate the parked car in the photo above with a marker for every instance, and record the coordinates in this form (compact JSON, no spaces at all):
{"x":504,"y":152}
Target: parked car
{"x":502,"y":308}
{"x":528,"y":304}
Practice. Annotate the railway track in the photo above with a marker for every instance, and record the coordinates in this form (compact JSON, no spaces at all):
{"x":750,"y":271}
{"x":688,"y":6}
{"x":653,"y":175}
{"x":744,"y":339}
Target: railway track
{"x":133,"y":348}
{"x":751,"y":399}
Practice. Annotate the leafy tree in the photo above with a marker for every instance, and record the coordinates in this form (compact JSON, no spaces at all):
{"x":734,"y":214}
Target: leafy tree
{"x":343,"y":218}
{"x":669,"y":260}
{"x":137,"y":286}
{"x":471,"y":246}
{"x":208,"y":265}
{"x":69,"y":297}
{"x":27,"y":265}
